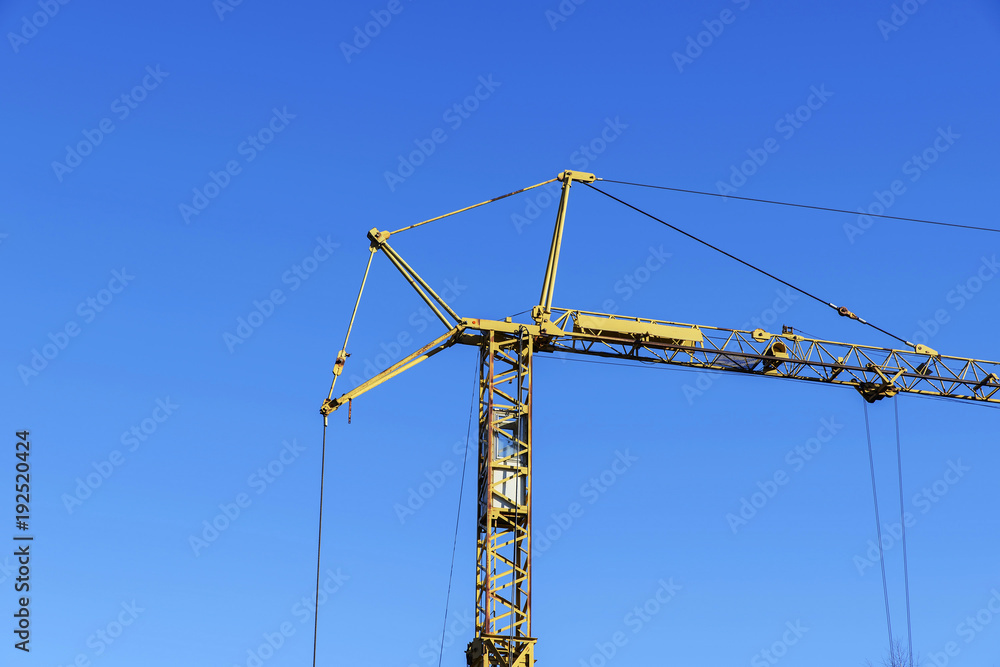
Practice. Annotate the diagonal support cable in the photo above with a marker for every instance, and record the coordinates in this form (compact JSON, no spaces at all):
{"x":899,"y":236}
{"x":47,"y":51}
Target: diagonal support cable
{"x":878,"y":526}
{"x":842,"y":310}
{"x":482,"y":203}
{"x":815,"y":208}
{"x":902,"y":523}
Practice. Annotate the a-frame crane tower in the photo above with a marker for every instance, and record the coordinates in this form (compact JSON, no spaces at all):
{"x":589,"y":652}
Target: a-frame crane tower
{"x":503,"y":635}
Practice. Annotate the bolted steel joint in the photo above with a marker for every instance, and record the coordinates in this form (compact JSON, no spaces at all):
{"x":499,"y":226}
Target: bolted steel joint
{"x":377,"y":238}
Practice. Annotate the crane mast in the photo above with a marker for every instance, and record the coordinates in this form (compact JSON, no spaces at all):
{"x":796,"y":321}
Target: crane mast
{"x":503,"y":634}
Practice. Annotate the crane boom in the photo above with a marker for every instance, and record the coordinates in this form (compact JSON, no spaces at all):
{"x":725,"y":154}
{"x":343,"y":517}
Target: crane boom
{"x":876,"y":372}
{"x":503,"y":636}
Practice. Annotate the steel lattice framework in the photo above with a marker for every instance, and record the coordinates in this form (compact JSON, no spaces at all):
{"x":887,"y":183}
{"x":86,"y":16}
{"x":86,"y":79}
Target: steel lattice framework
{"x":506,"y":353}
{"x":874,"y":371}
{"x":503,"y":551}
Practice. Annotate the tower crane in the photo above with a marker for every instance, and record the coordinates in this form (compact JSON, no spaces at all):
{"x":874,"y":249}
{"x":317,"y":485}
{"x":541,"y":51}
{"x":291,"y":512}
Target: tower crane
{"x":503,"y":634}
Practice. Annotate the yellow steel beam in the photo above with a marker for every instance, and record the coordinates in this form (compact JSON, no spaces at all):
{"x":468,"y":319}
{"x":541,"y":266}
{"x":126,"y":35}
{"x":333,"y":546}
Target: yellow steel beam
{"x":440,"y":343}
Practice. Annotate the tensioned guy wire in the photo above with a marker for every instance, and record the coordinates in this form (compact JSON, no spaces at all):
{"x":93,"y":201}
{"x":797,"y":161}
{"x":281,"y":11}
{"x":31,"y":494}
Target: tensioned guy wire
{"x":842,"y":311}
{"x":815,"y":208}
{"x":878,"y":525}
{"x":461,"y":492}
{"x":902,"y":523}
{"x":482,"y":203}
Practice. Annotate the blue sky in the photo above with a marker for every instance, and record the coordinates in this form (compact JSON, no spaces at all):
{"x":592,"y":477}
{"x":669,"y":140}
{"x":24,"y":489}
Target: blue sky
{"x":187,"y":191}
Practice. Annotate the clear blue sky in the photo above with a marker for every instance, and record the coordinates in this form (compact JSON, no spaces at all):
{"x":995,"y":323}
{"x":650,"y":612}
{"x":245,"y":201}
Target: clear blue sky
{"x":173,"y":171}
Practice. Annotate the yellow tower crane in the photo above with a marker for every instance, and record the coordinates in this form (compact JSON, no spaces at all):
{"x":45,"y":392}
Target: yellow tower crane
{"x":503,"y":636}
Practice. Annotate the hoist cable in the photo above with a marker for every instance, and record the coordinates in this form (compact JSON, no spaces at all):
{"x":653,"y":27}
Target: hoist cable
{"x":815,"y":208}
{"x":878,"y":525}
{"x":319,"y":542}
{"x":482,"y":203}
{"x":843,"y":311}
{"x":461,"y":490}
{"x":902,"y":523}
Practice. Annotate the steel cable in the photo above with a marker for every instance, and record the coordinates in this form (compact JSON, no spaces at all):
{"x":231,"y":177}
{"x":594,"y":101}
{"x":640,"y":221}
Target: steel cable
{"x":902,"y":523}
{"x":842,"y":311}
{"x":461,"y":493}
{"x":878,"y":526}
{"x":319,"y":542}
{"x":815,"y":208}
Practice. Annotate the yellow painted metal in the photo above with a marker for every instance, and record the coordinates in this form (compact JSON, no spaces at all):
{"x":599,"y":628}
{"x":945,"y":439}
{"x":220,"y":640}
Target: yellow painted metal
{"x":644,"y":329}
{"x":469,"y":208}
{"x":507,"y":349}
{"x":440,"y":343}
{"x":876,"y":372}
{"x":501,"y":327}
{"x":549,"y":282}
{"x":338,"y":366}
{"x":582,"y":176}
{"x":399,"y":261}
{"x":503,"y":551}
